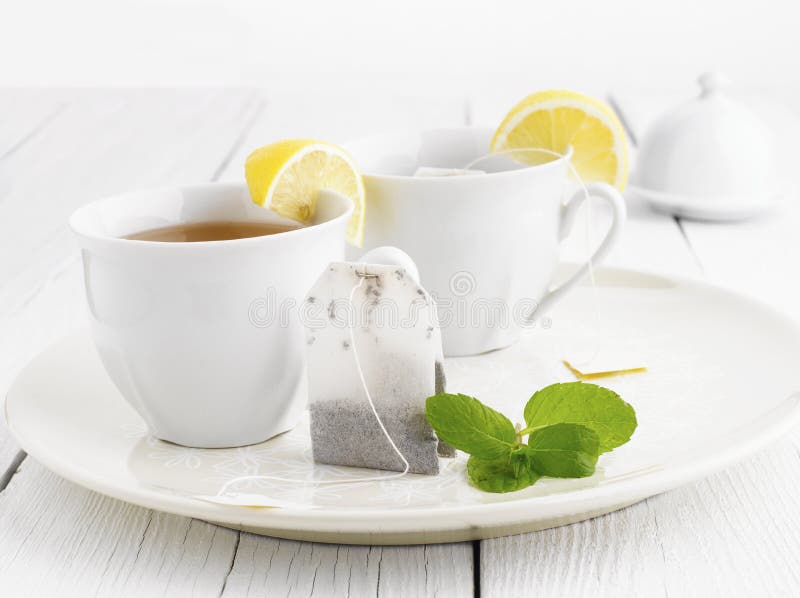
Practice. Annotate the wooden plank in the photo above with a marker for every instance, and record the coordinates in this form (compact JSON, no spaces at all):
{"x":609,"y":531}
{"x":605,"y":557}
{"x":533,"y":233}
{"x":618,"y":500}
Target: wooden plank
{"x":22,"y":119}
{"x":728,"y":535}
{"x":421,"y":570}
{"x":98,"y":144}
{"x":107,"y":143}
{"x":57,"y":537}
{"x":284,"y":567}
{"x":650,"y":241}
{"x":565,"y":561}
{"x":757,"y":257}
{"x":101,"y":143}
{"x":732,"y":534}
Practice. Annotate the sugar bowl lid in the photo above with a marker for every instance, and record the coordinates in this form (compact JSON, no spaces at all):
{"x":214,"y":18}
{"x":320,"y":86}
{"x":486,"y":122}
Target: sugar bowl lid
{"x":710,"y":158}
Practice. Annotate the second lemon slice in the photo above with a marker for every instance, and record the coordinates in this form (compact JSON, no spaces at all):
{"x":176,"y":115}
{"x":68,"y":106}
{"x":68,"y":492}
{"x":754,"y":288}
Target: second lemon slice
{"x":286,"y":177}
{"x":557,"y":119}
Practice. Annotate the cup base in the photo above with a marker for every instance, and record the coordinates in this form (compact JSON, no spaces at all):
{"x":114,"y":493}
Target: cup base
{"x":222,"y":444}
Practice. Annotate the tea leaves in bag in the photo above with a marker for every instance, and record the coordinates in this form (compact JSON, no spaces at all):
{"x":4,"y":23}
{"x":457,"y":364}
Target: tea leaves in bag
{"x":395,"y":333}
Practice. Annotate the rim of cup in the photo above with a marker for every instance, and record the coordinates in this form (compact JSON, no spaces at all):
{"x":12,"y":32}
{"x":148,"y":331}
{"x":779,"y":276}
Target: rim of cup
{"x":79,"y":227}
{"x":478,"y":131}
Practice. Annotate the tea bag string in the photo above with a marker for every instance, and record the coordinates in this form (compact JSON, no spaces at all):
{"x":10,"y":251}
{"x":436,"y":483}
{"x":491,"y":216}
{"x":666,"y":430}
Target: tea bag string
{"x":224,"y":490}
{"x":361,"y":377}
{"x":587,"y":202}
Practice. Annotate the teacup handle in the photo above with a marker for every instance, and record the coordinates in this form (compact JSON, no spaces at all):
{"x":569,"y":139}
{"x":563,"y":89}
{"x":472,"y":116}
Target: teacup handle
{"x":569,"y":210}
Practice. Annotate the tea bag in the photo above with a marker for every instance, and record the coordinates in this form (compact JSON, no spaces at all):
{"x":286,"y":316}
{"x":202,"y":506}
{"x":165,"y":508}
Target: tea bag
{"x":381,"y":312}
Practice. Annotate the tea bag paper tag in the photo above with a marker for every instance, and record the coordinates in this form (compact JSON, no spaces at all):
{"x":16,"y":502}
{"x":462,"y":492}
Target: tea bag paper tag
{"x":392,"y":323}
{"x":605,"y":360}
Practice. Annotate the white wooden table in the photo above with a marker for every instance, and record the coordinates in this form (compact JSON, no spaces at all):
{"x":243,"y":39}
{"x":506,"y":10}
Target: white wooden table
{"x":734,"y":534}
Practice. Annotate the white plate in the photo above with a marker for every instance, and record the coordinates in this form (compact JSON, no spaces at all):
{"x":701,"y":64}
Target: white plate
{"x":720,"y":385}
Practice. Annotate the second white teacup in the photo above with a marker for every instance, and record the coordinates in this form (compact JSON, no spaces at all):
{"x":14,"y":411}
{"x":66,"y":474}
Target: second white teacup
{"x":487,"y":244}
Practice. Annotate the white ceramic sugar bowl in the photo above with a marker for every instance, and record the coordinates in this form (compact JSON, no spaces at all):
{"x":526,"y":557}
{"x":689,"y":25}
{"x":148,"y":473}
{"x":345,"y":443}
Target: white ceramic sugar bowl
{"x":710,"y":159}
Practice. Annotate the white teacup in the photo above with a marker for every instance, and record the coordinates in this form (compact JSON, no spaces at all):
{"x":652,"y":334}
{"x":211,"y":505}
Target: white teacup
{"x":204,"y":339}
{"x":486,"y":245}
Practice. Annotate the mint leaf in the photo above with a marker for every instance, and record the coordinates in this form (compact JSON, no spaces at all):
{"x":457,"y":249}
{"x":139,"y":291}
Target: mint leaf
{"x":589,"y":405}
{"x":469,"y":425}
{"x":563,"y":451}
{"x":500,"y":475}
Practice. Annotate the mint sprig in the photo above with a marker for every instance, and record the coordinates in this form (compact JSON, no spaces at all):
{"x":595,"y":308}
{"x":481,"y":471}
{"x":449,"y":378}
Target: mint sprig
{"x":563,"y":451}
{"x":500,"y":475}
{"x":468,"y":425}
{"x":568,"y":426}
{"x":595,"y":407}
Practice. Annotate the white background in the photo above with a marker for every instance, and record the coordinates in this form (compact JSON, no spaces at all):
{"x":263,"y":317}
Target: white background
{"x":411,"y":47}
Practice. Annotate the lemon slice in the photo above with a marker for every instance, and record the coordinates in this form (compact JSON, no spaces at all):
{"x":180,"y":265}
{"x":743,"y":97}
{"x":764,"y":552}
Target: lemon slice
{"x":286,"y":177}
{"x":558,"y":119}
